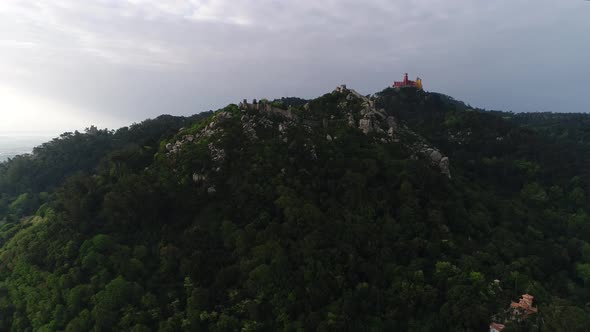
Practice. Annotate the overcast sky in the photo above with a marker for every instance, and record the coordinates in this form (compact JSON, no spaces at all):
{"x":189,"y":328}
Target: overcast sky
{"x":66,"y":64}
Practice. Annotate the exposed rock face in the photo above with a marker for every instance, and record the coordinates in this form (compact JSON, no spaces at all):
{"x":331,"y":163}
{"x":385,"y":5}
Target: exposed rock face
{"x":366,"y":125}
{"x":434,"y":155}
{"x":211,"y":129}
{"x":248,"y":126}
{"x":390,"y":132}
{"x":258,"y":119}
{"x":217,"y":154}
{"x":377,"y":122}
{"x":437,"y":159}
{"x":222,"y":116}
{"x":199,"y":178}
{"x":351,"y":122}
{"x":174,"y":148}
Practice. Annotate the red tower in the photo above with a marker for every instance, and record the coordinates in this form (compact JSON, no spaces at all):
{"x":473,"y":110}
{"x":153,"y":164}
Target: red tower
{"x":406,"y":83}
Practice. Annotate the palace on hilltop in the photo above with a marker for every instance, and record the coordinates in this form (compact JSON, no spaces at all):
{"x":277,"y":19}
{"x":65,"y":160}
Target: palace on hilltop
{"x":406,"y":83}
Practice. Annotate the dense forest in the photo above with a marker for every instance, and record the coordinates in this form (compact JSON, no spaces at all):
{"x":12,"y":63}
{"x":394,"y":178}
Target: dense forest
{"x":290,"y":216}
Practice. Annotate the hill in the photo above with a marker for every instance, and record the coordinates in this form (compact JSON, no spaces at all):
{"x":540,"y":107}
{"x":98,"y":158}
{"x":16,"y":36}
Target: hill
{"x":405,"y":210}
{"x":574,"y":127}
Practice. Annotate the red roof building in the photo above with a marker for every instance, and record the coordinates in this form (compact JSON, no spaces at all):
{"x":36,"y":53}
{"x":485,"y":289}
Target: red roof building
{"x":524,"y":308}
{"x":406,"y":83}
{"x":496,"y":327}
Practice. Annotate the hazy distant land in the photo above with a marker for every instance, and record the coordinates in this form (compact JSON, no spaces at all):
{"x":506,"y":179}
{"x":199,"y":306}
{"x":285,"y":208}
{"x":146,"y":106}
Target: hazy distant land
{"x":15,"y":144}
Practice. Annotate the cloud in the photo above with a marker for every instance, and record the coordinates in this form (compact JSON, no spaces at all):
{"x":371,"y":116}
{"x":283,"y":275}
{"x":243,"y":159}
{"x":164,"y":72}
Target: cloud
{"x":140,"y":58}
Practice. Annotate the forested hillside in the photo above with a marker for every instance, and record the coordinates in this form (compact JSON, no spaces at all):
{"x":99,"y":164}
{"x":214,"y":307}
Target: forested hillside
{"x":571,"y":126}
{"x":402,"y":211}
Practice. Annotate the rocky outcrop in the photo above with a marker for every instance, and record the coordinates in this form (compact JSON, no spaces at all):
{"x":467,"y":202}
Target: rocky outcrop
{"x":211,"y":129}
{"x":248,"y":126}
{"x":366,"y":125}
{"x":437,"y":158}
{"x":460,"y":137}
{"x":199,"y":178}
{"x":356,"y":110}
{"x":375,"y":121}
{"x":371,"y":118}
{"x":217,"y":154}
{"x":174,"y":148}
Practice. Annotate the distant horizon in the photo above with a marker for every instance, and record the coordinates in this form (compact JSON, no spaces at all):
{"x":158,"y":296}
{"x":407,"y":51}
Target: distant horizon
{"x":10,"y":134}
{"x":55,"y":132}
{"x":13,"y":145}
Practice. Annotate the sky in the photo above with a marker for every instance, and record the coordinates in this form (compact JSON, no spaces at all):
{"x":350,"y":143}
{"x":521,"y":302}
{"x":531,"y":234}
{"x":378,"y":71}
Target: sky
{"x":67,"y":64}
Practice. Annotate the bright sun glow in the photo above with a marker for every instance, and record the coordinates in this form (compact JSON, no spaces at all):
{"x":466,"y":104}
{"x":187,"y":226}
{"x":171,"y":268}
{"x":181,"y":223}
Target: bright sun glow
{"x":23,"y":113}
